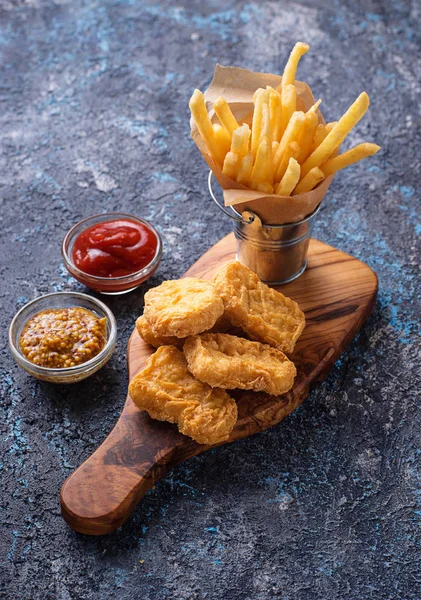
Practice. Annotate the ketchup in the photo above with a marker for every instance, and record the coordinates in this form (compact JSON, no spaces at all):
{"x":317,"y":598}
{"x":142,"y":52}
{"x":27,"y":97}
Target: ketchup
{"x":114,"y":248}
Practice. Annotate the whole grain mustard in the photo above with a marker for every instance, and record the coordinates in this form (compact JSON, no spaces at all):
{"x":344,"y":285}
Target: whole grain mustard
{"x":59,"y":338}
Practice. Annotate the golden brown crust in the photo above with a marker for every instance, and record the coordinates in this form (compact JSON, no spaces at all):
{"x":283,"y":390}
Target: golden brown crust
{"x":182,"y":307}
{"x":229,"y":362}
{"x":169,"y":392}
{"x":149,"y":336}
{"x":263,"y":313}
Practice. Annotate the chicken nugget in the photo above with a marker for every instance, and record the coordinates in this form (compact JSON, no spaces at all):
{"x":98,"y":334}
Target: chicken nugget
{"x":229,"y":362}
{"x":263,"y":313}
{"x":150,"y":336}
{"x":182,"y":307}
{"x":169,"y":392}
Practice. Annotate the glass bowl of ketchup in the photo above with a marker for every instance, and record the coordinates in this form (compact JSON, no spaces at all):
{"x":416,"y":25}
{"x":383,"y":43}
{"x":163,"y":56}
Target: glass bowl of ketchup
{"x":112,"y":253}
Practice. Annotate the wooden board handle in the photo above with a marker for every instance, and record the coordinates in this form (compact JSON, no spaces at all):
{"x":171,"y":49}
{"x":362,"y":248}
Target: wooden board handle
{"x":102,"y":492}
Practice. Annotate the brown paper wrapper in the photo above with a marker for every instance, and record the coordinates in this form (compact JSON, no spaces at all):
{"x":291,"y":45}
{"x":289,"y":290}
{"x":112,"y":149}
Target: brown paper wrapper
{"x":237,"y":86}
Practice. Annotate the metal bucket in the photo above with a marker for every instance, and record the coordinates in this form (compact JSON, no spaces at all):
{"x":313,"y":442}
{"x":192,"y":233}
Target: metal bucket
{"x":276,"y":253}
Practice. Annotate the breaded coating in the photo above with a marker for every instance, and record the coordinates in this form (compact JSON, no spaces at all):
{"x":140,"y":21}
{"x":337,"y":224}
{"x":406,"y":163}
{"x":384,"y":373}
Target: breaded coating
{"x":263,"y":313}
{"x":182,"y":307}
{"x":229,"y":362}
{"x":149,"y":336}
{"x":169,"y":392}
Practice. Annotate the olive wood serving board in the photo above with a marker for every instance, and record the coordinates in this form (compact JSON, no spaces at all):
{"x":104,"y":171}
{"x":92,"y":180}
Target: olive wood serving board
{"x":336,"y":292}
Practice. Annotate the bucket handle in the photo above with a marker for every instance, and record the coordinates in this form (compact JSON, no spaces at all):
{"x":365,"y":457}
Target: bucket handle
{"x":224,"y":210}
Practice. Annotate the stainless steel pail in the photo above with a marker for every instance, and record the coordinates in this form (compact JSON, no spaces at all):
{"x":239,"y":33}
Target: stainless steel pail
{"x":276,"y":253}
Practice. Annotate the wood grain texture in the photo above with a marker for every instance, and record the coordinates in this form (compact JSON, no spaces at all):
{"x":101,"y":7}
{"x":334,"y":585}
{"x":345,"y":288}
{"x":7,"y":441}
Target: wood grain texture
{"x":336,"y":292}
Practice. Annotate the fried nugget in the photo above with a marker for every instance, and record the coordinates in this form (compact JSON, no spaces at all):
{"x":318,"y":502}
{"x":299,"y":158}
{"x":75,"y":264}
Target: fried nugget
{"x":150,"y":336}
{"x":169,"y":392}
{"x":182,"y":307}
{"x":263,"y":313}
{"x":229,"y":362}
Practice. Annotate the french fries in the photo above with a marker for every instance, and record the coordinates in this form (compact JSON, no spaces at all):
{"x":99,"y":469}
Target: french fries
{"x":265,"y":131}
{"x":349,"y":157}
{"x":262,"y":168}
{"x":241,"y":140}
{"x":290,"y":70}
{"x":339,"y":132}
{"x":319,"y":135}
{"x":285,"y":151}
{"x":224,"y":113}
{"x":289,"y":104}
{"x":292,"y":134}
{"x":275,"y":109}
{"x":290,"y":179}
{"x":201,"y":118}
{"x":307,"y":135}
{"x":265,"y":187}
{"x":261,"y":97}
{"x":291,"y":151}
{"x":310,"y":181}
{"x":229,"y":167}
{"x":222,"y":138}
{"x":244,"y":169}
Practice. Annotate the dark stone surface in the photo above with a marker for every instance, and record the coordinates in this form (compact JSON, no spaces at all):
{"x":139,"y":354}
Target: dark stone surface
{"x":93,"y":118}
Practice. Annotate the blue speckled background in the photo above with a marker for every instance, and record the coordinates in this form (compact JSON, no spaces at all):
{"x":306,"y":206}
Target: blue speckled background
{"x":94,"y":117}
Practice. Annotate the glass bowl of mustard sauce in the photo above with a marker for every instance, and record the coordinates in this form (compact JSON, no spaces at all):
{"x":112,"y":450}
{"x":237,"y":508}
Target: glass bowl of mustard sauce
{"x":63,"y":337}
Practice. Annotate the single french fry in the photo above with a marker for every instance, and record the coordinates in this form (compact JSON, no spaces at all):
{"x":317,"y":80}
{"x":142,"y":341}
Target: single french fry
{"x":309,"y":131}
{"x":222,"y":137}
{"x":230,"y":165}
{"x":272,"y":90}
{"x":315,"y":106}
{"x":290,"y":70}
{"x":307,"y":135}
{"x":319,"y":135}
{"x":265,"y":130}
{"x":224,"y":114}
{"x":267,"y":134}
{"x":262,"y":168}
{"x":241,"y":140}
{"x":335,"y":137}
{"x":290,"y":178}
{"x":262,"y":186}
{"x":349,"y":157}
{"x":291,"y":134}
{"x":329,"y":128}
{"x":275,"y":108}
{"x":289,"y":104}
{"x":275,"y":146}
{"x":244,"y":169}
{"x":291,"y":151}
{"x":265,"y":187}
{"x":204,"y":125}
{"x":261,"y":97}
{"x":309,"y":181}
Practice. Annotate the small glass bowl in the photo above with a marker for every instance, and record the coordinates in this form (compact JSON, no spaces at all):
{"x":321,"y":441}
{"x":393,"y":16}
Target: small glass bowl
{"x":62,"y":300}
{"x":112,"y":286}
